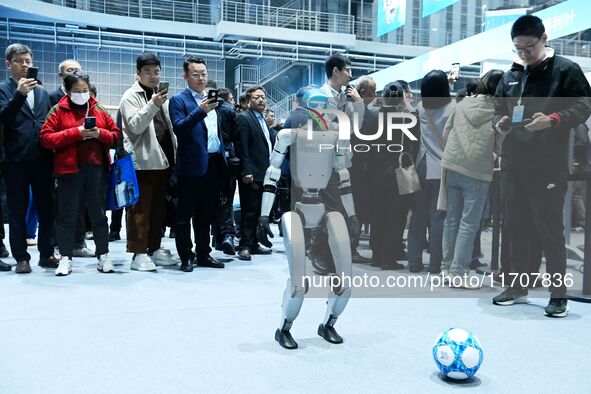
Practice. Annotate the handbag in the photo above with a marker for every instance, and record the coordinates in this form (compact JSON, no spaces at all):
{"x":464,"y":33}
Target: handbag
{"x":407,"y":178}
{"x":123,"y":188}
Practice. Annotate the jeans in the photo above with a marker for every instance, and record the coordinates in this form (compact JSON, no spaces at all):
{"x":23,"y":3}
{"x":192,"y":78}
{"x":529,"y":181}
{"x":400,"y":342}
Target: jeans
{"x":424,"y":213}
{"x":466,"y":198}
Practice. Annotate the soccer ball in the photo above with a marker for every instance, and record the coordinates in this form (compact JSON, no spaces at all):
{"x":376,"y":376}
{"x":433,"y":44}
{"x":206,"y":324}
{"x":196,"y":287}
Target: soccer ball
{"x":457,"y":353}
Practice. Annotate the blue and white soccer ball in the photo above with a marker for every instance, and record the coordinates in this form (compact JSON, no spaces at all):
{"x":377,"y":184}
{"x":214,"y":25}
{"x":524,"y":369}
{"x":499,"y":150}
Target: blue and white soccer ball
{"x":457,"y":353}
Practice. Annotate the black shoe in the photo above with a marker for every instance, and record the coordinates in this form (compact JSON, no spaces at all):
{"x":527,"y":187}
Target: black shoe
{"x":210,"y":262}
{"x":557,"y":307}
{"x":244,"y":254}
{"x":434,"y":270}
{"x":512,"y":295}
{"x":114,"y":236}
{"x":3,"y":252}
{"x":475,"y":264}
{"x":416,"y":267}
{"x":48,"y":262}
{"x":392,"y":265}
{"x":228,"y":246}
{"x":23,"y":267}
{"x":5,"y":267}
{"x":329,"y":334}
{"x":260,"y":250}
{"x":187,"y":266}
{"x":285,"y":339}
{"x":356,"y":258}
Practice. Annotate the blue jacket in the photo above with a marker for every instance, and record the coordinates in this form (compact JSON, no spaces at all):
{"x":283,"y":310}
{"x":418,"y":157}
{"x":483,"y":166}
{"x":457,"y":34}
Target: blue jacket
{"x":189,"y":126}
{"x":21,"y":125}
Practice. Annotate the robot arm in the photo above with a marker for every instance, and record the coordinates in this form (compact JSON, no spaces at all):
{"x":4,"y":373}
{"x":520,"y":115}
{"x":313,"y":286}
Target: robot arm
{"x":283,"y":141}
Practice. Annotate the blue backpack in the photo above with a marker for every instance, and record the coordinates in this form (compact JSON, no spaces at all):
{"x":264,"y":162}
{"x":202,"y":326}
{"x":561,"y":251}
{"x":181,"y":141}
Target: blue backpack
{"x":123,"y":189}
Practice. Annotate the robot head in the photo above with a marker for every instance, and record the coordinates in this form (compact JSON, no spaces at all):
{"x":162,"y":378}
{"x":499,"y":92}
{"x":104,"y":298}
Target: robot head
{"x":315,"y":99}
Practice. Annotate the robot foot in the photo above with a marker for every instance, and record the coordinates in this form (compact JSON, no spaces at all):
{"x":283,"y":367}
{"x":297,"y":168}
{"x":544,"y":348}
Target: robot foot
{"x":284,"y":338}
{"x":329,"y":334}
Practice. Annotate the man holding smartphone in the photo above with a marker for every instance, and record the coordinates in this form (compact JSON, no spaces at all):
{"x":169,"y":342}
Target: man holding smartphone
{"x":538,"y":101}
{"x":200,"y":160}
{"x":23,"y":108}
{"x":149,"y":136}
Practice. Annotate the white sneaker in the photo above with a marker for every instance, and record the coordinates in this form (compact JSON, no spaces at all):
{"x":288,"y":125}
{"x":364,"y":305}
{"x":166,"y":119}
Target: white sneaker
{"x":164,"y":250}
{"x":82,"y":252}
{"x":104,"y":264}
{"x":142,"y":262}
{"x":163,"y":258}
{"x":31,"y":242}
{"x":64,"y":267}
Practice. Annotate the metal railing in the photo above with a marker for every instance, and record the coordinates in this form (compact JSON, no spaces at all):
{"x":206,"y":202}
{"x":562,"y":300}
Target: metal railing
{"x":283,"y":107}
{"x":289,"y":18}
{"x":170,"y":10}
{"x":569,"y":47}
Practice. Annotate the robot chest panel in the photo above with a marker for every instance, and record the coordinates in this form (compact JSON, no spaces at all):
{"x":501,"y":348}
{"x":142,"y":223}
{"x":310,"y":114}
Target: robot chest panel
{"x":312,"y":159}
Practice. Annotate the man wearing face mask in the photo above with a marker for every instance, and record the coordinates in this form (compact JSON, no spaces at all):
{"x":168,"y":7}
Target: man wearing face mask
{"x":23,"y":108}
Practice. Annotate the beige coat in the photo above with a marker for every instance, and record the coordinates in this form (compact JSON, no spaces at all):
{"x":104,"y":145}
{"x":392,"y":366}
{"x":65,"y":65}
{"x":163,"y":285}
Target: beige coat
{"x":139,"y":134}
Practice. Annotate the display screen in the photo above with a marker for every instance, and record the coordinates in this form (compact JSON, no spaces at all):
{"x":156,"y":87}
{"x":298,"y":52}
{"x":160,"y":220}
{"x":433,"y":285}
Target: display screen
{"x":391,"y":15}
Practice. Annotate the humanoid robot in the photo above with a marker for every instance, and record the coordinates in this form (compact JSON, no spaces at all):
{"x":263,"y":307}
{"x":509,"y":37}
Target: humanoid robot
{"x":311,"y":168}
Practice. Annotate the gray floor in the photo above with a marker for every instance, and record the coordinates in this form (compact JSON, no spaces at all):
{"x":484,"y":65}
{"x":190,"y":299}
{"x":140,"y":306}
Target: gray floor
{"x":212,"y":331}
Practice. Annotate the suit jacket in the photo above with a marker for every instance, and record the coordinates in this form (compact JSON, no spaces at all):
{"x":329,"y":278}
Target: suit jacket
{"x":21,"y":125}
{"x":56,"y":96}
{"x":189,"y":126}
{"x":252,"y":145}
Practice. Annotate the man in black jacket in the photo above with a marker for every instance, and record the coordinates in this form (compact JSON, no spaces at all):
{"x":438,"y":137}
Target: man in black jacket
{"x":65,"y":67}
{"x":23,"y":108}
{"x":255,"y":143}
{"x":540,"y":99}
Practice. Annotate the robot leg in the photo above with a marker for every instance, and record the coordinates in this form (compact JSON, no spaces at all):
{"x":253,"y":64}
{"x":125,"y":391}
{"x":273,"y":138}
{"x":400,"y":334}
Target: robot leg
{"x":293,"y":296}
{"x":339,"y":242}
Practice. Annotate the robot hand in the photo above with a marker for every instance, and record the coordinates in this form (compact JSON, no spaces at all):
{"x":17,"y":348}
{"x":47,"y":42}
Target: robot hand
{"x":264,"y":230}
{"x":354,"y":228}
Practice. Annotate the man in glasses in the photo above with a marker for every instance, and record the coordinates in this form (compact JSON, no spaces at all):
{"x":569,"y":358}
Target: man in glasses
{"x":24,"y":104}
{"x":539,"y":100}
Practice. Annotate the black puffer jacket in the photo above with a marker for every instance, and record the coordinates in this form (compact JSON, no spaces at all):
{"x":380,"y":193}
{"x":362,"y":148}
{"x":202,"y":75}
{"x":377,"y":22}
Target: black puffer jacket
{"x":557,"y":85}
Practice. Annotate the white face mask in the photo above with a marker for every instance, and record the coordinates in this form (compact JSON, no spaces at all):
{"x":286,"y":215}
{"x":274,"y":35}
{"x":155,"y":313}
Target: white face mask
{"x":80,"y":98}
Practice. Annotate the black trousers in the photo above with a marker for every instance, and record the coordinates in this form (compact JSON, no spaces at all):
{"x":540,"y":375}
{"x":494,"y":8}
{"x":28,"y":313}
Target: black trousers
{"x":535,"y":214}
{"x":197,"y":196}
{"x":19,"y":177}
{"x":223,"y":224}
{"x":116,"y":219}
{"x":251,"y":196}
{"x":88,"y":184}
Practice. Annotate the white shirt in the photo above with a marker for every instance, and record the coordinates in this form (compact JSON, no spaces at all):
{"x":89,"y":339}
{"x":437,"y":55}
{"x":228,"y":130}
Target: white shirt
{"x":211,"y":122}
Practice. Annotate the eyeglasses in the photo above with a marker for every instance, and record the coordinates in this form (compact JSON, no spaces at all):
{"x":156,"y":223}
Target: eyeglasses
{"x":199,"y":75}
{"x":526,"y":49}
{"x":22,"y":61}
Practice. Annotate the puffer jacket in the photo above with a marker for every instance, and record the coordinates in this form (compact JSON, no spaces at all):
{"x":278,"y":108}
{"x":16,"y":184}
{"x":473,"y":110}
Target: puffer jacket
{"x":470,"y":138}
{"x":556,"y":87}
{"x":60,"y":133}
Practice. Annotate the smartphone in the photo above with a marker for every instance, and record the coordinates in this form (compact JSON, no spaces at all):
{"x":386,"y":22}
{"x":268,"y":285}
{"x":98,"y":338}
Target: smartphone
{"x":162,"y":86}
{"x":32,"y":72}
{"x":455,"y":71}
{"x":522,"y":123}
{"x":90,"y":122}
{"x":212,"y":94}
